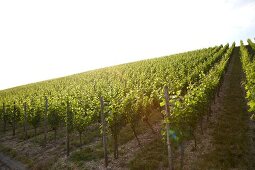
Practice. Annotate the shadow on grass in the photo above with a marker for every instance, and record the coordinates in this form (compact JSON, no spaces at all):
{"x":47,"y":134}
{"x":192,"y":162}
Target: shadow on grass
{"x":151,"y":156}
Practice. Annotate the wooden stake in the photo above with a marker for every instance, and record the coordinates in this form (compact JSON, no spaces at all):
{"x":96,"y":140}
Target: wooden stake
{"x":104,"y":131}
{"x":25,"y":119}
{"x":45,"y":120}
{"x":14,"y":119}
{"x":67,"y":129}
{"x":4,"y":118}
{"x":170,"y":157}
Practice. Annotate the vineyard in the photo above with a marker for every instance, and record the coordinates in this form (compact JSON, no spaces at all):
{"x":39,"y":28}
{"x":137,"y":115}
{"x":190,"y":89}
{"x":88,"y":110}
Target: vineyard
{"x":149,"y":114}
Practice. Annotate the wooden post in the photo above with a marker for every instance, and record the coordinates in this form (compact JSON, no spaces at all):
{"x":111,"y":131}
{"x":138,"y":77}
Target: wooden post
{"x":170,"y":158}
{"x":14,"y":119}
{"x":25,"y":119}
{"x":4,"y":118}
{"x":67,"y":129}
{"x":104,"y":131}
{"x":45,"y":120}
{"x":116,"y":151}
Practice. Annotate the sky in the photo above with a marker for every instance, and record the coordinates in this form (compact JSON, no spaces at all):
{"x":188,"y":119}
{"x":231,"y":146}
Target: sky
{"x":41,"y":40}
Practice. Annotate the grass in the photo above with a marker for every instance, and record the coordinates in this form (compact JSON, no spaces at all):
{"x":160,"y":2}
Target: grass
{"x":151,"y":156}
{"x":14,"y":154}
{"x":230,"y":136}
{"x":87,"y":154}
{"x":87,"y":137}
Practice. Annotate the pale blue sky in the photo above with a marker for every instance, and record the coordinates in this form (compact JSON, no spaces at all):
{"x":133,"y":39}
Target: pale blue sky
{"x":46,"y":39}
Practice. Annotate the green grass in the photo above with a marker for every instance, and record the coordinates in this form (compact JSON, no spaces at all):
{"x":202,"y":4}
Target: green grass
{"x":87,"y":154}
{"x":230,"y":135}
{"x":17,"y":156}
{"x":87,"y":137}
{"x":151,"y":156}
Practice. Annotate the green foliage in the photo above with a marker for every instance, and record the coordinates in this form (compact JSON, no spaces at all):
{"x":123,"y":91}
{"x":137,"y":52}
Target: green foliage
{"x":11,"y":114}
{"x":248,"y":66}
{"x":252,"y":44}
{"x":131,"y":92}
{"x":54,"y":119}
{"x":34,"y":113}
{"x":253,"y":117}
{"x":187,"y":110}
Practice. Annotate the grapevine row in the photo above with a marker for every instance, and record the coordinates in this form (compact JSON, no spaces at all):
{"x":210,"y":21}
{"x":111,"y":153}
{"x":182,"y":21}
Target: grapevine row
{"x":248,"y":66}
{"x":131,"y":92}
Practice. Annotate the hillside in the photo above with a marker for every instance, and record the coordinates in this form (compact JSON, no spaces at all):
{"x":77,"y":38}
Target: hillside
{"x":60,"y":123}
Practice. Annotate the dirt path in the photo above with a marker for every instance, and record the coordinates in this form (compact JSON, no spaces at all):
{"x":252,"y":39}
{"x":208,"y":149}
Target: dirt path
{"x":3,"y":166}
{"x":231,"y":132}
{"x":6,"y":163}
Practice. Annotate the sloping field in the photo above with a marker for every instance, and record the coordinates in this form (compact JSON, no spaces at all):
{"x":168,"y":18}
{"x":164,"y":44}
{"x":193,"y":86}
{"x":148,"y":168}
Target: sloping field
{"x":60,"y":123}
